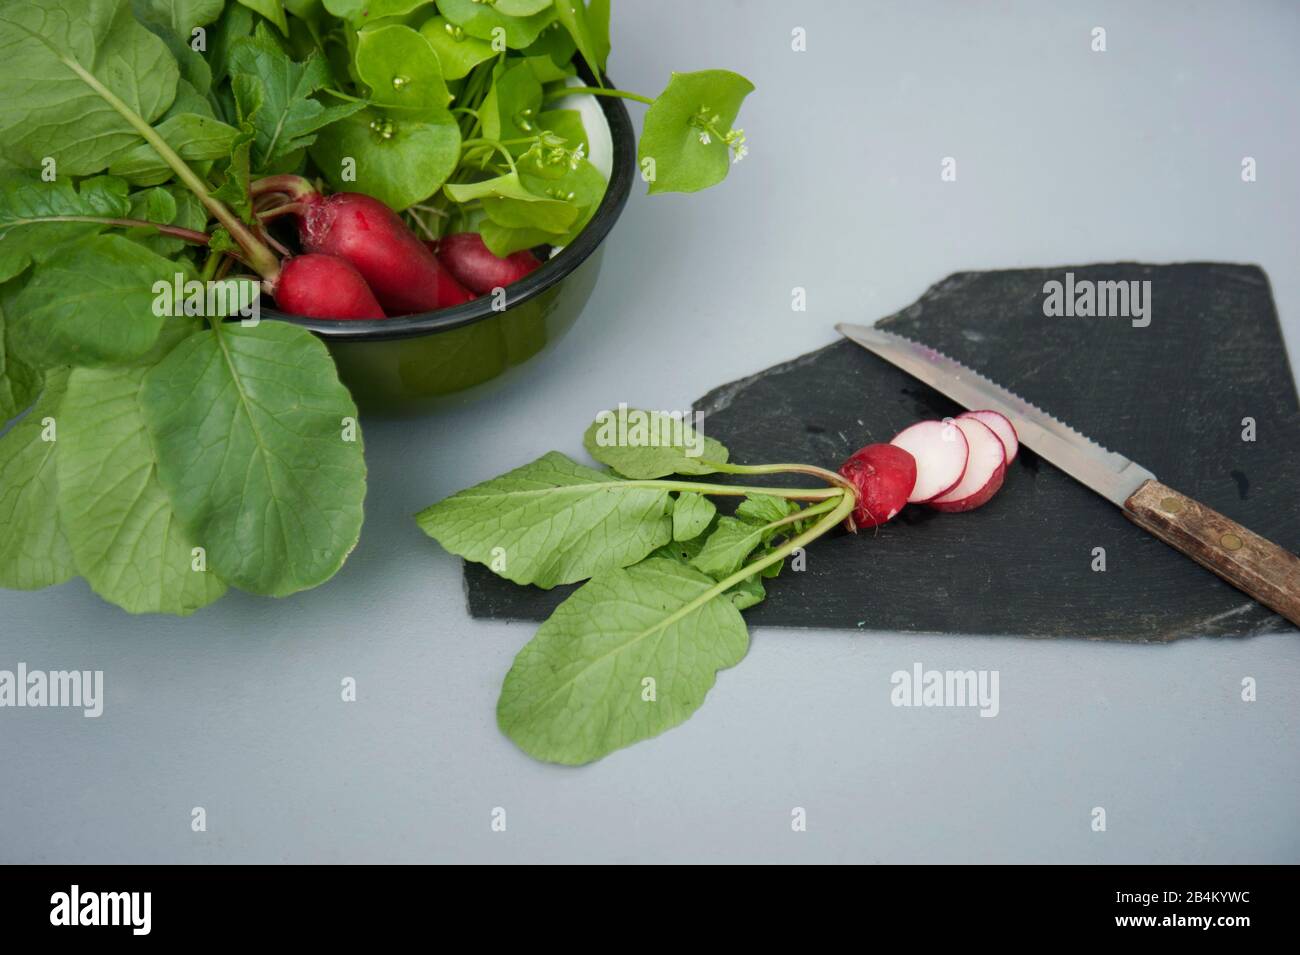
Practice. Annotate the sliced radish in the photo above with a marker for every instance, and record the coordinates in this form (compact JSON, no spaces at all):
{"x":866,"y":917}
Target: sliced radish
{"x":1002,"y":427}
{"x":940,"y":449}
{"x":984,"y":471}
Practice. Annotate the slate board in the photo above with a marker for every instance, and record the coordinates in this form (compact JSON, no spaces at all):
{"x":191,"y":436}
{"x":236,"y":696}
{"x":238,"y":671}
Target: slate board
{"x":1172,"y":396}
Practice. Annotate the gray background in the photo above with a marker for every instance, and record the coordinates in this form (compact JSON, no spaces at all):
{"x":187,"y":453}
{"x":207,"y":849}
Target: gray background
{"x":1064,"y":156}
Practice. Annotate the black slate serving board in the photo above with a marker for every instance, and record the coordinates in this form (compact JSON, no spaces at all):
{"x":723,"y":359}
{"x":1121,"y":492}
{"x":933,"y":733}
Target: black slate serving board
{"x":1171,"y":395}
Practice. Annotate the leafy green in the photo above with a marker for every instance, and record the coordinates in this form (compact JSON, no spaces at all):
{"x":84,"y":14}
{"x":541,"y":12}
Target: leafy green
{"x":125,"y":537}
{"x":727,"y":547}
{"x":589,"y":27}
{"x":578,"y":690}
{"x":361,"y":11}
{"x":20,"y":383}
{"x":284,"y":115}
{"x":193,"y":136}
{"x":33,"y":550}
{"x":398,"y":161}
{"x":251,"y":431}
{"x":692,"y":513}
{"x":650,"y":444}
{"x":457,"y":51}
{"x":402,"y":71}
{"x":30,"y":210}
{"x":551,"y":522}
{"x":687,"y":130}
{"x":180,"y":16}
{"x":764,"y":509}
{"x":90,"y":303}
{"x":480,"y":19}
{"x":47,"y":110}
{"x":273,"y":10}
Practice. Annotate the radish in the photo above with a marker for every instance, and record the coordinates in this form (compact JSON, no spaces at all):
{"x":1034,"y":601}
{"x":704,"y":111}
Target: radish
{"x":403,"y":273}
{"x":884,"y":476}
{"x":940,"y":450}
{"x":985,"y":469}
{"x":1000,"y":425}
{"x":324,"y":286}
{"x":474,"y":265}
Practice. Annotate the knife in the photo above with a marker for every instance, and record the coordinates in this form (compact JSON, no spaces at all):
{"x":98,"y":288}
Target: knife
{"x":1256,"y":566}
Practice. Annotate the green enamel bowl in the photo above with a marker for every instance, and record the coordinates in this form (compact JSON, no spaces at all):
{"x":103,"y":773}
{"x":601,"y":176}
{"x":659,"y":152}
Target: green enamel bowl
{"x":415,"y":363}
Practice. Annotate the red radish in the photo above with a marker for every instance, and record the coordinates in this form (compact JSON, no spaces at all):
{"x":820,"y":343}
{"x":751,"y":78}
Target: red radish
{"x":1000,"y":425}
{"x":474,"y":265}
{"x":940,"y":450}
{"x":405,"y":275}
{"x":884,"y":476}
{"x":324,"y":286}
{"x":984,"y":471}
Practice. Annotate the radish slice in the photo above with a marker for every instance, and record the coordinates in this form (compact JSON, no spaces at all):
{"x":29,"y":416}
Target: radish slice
{"x":984,"y":471}
{"x":1002,"y":427}
{"x":940,"y":449}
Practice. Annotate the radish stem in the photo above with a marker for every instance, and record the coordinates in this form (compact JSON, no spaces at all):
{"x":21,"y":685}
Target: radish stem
{"x":189,"y":235}
{"x":261,"y":258}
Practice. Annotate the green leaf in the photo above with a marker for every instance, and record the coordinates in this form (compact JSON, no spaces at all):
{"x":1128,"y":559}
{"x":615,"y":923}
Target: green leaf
{"x":193,"y":136}
{"x":91,"y":303}
{"x":237,"y":21}
{"x":273,"y":10}
{"x":763,"y":509}
{"x":20,"y":383}
{"x":33,"y":551}
{"x":503,"y":241}
{"x":512,"y":105}
{"x":409,"y":165}
{"x":589,"y":29}
{"x":28,"y":204}
{"x":691,"y":515}
{"x":578,"y":183}
{"x":480,"y":19}
{"x":748,"y":592}
{"x":577,"y":690}
{"x":551,"y":522}
{"x":650,"y":444}
{"x":402,"y":71}
{"x":250,"y":428}
{"x":520,"y":8}
{"x":181,"y":16}
{"x":46,"y":110}
{"x":567,"y":124}
{"x":457,"y":51}
{"x":125,"y":538}
{"x":363,"y":11}
{"x":684,"y":132}
{"x":727,"y":547}
{"x":285,"y":116}
{"x":234,"y":190}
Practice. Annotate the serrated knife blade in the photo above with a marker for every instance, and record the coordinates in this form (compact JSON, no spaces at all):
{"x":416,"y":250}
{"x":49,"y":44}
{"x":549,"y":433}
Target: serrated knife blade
{"x":1111,"y":475}
{"x":1260,"y":568}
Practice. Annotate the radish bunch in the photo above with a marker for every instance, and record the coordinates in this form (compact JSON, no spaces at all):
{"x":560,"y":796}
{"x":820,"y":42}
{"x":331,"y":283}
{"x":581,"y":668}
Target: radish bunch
{"x":952,"y":465}
{"x":362,"y":261}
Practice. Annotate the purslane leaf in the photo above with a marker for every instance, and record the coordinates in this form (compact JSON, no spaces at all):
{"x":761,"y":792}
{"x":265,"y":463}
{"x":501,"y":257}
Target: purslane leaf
{"x":457,"y":51}
{"x":33,"y":550}
{"x":91,"y":303}
{"x":402,"y":70}
{"x":30,"y":209}
{"x":589,"y":29}
{"x":407,"y":165}
{"x":650,"y":444}
{"x":480,"y":19}
{"x":125,"y":538}
{"x":684,"y":131}
{"x":258,"y":450}
{"x":551,"y":522}
{"x":578,"y":690}
{"x":46,"y":110}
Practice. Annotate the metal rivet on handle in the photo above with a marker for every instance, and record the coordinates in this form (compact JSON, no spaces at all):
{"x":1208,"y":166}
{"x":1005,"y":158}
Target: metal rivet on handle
{"x":1171,"y":504}
{"x":1231,"y":542}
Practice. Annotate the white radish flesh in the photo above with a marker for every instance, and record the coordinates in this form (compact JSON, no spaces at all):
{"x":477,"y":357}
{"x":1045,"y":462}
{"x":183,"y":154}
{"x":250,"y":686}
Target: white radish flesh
{"x":940,"y":449}
{"x":985,"y":469}
{"x":1002,"y":427}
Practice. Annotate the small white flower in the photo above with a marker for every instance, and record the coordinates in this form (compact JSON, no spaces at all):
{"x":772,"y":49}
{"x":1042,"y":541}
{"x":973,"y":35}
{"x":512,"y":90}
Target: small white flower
{"x":741,"y":152}
{"x":704,"y":137}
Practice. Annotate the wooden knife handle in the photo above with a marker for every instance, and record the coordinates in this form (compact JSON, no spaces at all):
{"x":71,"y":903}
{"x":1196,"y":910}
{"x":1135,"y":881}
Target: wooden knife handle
{"x":1244,"y":559}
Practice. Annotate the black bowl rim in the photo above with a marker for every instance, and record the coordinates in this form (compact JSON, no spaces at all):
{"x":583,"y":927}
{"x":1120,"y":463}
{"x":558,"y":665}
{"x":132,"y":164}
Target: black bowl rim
{"x":552,"y":271}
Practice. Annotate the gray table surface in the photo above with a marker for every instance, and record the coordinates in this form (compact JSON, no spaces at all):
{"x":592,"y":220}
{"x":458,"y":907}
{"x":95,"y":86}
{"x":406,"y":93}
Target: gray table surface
{"x":1064,"y":156}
